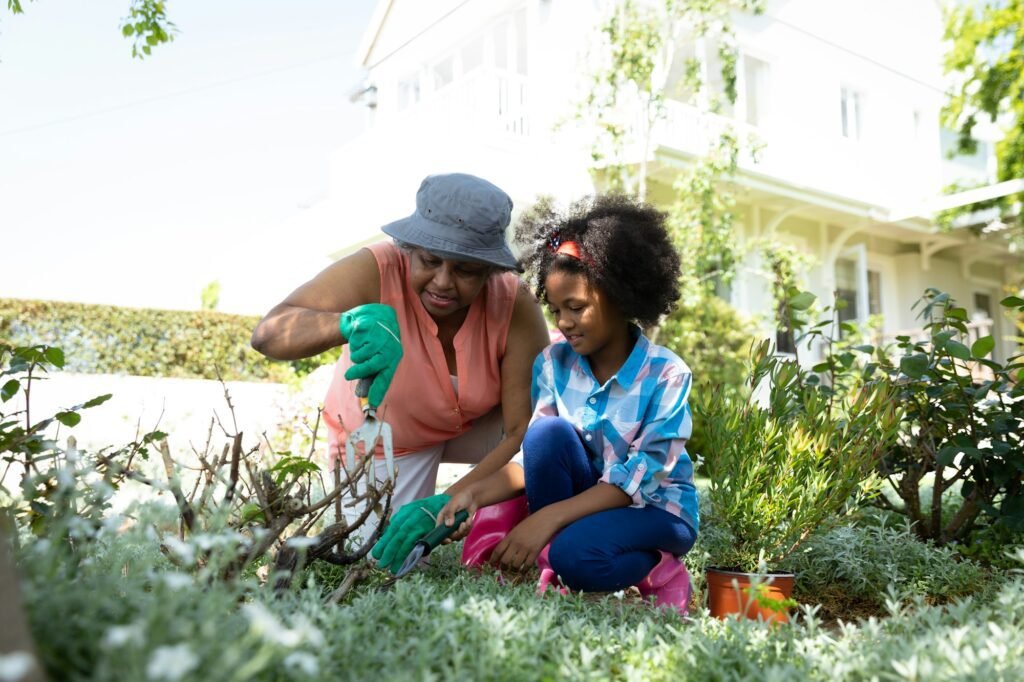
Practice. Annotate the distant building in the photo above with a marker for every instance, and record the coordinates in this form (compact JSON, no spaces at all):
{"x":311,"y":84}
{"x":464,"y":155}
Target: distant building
{"x":844,"y":96}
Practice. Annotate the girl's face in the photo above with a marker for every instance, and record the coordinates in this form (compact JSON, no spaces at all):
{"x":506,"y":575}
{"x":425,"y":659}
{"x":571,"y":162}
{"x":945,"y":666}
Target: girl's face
{"x":585,"y":316}
{"x":445,"y":287}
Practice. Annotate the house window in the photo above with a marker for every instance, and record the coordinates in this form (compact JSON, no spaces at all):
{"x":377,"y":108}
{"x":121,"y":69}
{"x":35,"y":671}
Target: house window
{"x":982,"y":306}
{"x":408,"y":91}
{"x":444,"y":72}
{"x":850,"y":109}
{"x":755,"y":90}
{"x":473,"y":55}
{"x":852,"y":277}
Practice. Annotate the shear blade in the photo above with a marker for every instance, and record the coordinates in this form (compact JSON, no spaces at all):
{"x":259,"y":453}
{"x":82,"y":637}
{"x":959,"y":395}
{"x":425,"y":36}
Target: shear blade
{"x":410,"y":561}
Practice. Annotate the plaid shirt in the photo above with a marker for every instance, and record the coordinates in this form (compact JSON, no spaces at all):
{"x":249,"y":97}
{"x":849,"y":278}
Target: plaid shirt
{"x":634,"y":427}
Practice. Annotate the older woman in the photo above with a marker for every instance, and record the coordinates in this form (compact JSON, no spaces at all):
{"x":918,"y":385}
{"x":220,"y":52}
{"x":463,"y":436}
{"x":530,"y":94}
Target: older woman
{"x":443,"y":325}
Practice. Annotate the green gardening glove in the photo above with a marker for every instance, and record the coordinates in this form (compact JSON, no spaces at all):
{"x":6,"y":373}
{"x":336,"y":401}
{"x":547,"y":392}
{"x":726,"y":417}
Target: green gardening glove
{"x":411,"y":522}
{"x":374,"y":345}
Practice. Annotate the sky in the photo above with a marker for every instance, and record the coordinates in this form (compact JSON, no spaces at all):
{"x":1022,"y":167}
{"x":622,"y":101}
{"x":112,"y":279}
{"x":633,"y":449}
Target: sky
{"x":138,"y":182}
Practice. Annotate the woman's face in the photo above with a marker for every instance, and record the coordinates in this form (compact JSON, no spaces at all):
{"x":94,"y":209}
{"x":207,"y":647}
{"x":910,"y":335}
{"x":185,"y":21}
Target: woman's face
{"x":585,"y":316}
{"x":445,"y":286}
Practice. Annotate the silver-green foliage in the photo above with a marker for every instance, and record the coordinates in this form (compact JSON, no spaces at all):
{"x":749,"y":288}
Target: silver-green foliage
{"x":127,"y":611}
{"x":863,"y":561}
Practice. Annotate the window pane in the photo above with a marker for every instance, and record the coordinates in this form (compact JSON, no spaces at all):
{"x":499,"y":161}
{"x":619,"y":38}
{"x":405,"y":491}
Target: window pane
{"x":501,"y":45}
{"x":473,"y":55}
{"x":983,"y":305}
{"x":849,"y":102}
{"x":755,"y":90}
{"x":846,"y":288}
{"x":443,"y":73}
{"x":874,"y":293}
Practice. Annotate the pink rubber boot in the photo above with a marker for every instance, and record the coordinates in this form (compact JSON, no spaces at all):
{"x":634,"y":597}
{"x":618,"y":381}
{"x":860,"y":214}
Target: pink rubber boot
{"x":548,"y":578}
{"x":490,"y":526}
{"x":669,"y":582}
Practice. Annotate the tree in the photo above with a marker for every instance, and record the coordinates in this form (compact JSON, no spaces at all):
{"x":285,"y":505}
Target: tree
{"x":146,"y":22}
{"x":987,"y":56}
{"x":640,"y":64}
{"x":210,"y":296}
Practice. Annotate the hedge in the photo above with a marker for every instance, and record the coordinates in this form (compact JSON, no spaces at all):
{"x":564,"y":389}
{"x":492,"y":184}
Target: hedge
{"x":103,"y":339}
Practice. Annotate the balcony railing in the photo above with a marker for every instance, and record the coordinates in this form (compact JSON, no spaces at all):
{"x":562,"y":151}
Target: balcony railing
{"x":487,"y":101}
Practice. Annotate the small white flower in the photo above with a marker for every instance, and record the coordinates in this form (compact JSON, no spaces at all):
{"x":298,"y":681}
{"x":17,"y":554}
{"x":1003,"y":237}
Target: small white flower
{"x":15,"y":666}
{"x":448,"y":605}
{"x":260,"y":618}
{"x":183,"y":550}
{"x":177,"y":581}
{"x":303,"y":662}
{"x":171,"y":663}
{"x":266,"y":625}
{"x":66,"y":477}
{"x":301,"y":542}
{"x":619,"y":595}
{"x":119,"y":635}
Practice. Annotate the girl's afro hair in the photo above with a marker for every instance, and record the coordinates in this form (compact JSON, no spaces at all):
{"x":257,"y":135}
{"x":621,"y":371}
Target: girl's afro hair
{"x":625,"y":250}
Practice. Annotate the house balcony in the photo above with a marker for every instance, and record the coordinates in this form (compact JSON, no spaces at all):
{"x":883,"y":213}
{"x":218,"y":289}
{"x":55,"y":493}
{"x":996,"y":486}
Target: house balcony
{"x":490,"y":102}
{"x":884,"y":172}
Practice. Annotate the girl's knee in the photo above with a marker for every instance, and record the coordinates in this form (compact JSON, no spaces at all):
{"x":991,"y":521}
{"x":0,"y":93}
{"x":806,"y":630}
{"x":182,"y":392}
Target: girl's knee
{"x":547,"y":434}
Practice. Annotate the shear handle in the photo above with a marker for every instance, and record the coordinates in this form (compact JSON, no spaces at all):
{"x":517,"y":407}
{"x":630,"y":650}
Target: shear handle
{"x":363,"y":390}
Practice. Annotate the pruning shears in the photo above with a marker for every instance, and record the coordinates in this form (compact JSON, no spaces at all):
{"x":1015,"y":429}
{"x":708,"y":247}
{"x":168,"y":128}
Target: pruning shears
{"x":428,"y":542}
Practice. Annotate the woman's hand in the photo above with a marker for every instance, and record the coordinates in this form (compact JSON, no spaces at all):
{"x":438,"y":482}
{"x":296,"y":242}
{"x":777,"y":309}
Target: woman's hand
{"x":464,"y":499}
{"x":520,"y":548}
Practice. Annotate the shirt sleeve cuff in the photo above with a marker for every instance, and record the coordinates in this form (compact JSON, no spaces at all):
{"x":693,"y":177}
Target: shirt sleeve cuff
{"x":629,"y":477}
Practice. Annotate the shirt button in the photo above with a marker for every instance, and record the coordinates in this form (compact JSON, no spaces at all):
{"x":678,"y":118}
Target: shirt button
{"x":589,"y":437}
{"x":593,"y":400}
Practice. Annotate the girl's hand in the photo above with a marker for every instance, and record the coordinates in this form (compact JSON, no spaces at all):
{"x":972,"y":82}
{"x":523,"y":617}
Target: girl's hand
{"x":460,"y":500}
{"x":520,"y":547}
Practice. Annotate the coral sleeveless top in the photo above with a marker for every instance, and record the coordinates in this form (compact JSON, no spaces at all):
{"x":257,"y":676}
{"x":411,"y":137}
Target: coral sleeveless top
{"x":421,"y":405}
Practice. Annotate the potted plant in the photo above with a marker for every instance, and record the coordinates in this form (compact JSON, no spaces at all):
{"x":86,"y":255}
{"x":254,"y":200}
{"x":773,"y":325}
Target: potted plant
{"x":785,"y":457}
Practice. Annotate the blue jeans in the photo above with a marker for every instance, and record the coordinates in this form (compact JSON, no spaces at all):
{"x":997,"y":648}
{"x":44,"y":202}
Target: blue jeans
{"x":606,"y":551}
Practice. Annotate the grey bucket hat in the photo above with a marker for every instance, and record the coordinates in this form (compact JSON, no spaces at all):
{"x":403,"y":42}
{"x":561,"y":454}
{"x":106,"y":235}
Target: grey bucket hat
{"x":459,"y":217}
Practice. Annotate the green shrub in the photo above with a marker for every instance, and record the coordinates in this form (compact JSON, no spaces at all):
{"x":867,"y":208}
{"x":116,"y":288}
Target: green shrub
{"x":714,"y":340}
{"x":779,"y":470}
{"x":961,"y":436}
{"x":101,"y":339}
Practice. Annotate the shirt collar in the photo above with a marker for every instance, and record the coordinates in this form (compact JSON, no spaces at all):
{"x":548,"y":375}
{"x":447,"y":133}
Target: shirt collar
{"x":631,"y":367}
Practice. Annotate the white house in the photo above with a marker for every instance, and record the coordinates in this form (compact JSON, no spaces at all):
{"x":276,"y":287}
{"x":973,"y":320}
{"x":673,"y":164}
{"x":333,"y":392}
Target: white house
{"x":844,"y":96}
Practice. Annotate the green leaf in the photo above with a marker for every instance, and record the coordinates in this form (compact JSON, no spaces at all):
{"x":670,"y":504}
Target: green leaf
{"x":55,"y":356}
{"x":914,"y":365}
{"x":802,"y":301}
{"x":127,"y":30}
{"x":957,"y":314}
{"x":958,"y":350}
{"x":947,"y":454}
{"x":864,"y":348}
{"x":68,"y":418}
{"x":983,"y":346}
{"x":98,"y":400}
{"x":9,"y":389}
{"x":1012,"y":301}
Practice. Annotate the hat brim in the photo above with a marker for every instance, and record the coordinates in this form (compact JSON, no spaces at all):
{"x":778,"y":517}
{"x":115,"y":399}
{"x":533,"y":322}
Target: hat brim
{"x":418,"y":231}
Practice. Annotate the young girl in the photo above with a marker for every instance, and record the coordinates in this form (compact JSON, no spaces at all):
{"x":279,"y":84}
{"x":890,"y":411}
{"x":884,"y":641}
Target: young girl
{"x":607,"y":478}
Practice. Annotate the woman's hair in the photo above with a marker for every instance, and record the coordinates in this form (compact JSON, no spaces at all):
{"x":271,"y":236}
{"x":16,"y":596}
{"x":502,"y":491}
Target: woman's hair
{"x":492,"y":269}
{"x":623,"y":248}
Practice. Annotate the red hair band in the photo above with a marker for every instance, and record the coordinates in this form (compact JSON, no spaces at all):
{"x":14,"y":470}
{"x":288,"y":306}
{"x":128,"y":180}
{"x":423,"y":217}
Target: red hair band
{"x":569,"y":248}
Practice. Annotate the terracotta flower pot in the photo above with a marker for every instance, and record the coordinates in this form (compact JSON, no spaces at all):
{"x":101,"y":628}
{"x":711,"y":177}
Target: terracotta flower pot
{"x":726,"y":597}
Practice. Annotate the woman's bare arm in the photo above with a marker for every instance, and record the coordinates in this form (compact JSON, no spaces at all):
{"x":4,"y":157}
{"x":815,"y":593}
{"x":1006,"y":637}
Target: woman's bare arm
{"x":527,"y":336}
{"x":306,"y":322}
